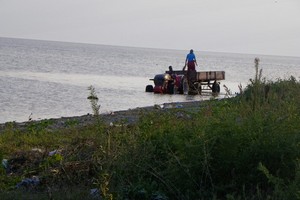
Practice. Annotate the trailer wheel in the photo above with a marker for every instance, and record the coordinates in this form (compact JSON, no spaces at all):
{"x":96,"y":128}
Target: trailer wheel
{"x":215,"y":87}
{"x":149,"y":88}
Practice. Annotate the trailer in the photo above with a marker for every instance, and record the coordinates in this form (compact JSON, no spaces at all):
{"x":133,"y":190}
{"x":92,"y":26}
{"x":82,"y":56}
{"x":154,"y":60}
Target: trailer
{"x":186,"y":82}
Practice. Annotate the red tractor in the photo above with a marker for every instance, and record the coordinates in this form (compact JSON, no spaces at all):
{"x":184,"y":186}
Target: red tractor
{"x":186,"y":82}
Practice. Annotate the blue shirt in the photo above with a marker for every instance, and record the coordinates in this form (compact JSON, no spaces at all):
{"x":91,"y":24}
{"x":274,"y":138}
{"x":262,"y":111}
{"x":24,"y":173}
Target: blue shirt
{"x":191,"y":57}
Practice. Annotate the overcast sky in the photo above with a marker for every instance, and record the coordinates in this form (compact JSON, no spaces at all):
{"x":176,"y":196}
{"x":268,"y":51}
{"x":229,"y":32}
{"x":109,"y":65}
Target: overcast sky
{"x":269,"y":27}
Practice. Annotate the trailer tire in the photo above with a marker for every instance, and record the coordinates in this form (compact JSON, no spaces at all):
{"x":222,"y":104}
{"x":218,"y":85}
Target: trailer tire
{"x":215,"y":87}
{"x":149,"y":88}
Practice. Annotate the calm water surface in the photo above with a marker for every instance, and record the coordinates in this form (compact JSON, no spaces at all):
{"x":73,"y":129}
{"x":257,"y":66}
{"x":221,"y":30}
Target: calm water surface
{"x":50,"y":79}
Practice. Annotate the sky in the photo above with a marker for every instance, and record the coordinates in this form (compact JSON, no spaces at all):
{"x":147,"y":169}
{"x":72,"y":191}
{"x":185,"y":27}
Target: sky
{"x":269,"y":27}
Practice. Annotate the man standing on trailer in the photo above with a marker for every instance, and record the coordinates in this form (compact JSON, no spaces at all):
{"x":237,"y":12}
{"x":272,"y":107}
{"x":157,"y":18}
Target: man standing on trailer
{"x":190,"y":61}
{"x":191,"y":64}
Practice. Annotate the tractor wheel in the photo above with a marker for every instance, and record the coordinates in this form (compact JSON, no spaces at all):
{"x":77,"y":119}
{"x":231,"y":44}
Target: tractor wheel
{"x":149,"y":88}
{"x":170,"y":88}
{"x":195,"y":88}
{"x":199,"y":88}
{"x":185,"y":86}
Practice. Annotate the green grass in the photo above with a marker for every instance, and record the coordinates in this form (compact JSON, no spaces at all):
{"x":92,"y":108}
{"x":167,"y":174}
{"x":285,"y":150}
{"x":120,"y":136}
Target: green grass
{"x":246,"y":147}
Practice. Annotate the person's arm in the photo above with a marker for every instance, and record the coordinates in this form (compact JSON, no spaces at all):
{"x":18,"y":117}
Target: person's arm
{"x":185,"y":64}
{"x":195,"y":60}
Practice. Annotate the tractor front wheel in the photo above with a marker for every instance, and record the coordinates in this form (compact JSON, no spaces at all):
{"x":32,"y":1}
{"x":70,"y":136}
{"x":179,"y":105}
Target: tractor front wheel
{"x":149,"y":88}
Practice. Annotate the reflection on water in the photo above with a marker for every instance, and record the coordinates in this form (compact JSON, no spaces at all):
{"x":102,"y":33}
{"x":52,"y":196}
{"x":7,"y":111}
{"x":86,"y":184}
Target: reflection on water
{"x":50,"y":79}
{"x":112,"y":82}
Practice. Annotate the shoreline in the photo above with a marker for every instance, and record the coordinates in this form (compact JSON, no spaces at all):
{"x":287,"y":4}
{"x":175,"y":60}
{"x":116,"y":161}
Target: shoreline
{"x":123,"y":117}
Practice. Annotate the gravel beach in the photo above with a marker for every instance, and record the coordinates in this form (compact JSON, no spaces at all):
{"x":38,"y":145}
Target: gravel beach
{"x":130,"y":116}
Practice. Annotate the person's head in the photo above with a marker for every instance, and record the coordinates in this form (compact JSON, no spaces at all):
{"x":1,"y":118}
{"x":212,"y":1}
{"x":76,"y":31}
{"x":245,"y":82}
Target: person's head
{"x":170,"y":68}
{"x":191,"y":51}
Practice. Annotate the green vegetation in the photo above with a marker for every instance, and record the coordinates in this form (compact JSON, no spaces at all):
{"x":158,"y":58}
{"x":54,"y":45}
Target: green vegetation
{"x":246,"y":147}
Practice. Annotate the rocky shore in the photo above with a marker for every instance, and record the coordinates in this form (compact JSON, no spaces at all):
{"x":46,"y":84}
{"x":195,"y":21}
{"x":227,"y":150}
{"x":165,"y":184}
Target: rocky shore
{"x":126,"y":117}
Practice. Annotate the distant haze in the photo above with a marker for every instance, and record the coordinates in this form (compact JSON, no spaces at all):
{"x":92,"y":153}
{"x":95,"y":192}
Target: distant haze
{"x":269,"y":27}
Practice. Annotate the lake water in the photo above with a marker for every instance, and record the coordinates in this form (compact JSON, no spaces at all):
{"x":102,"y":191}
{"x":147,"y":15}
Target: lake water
{"x":50,"y":79}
